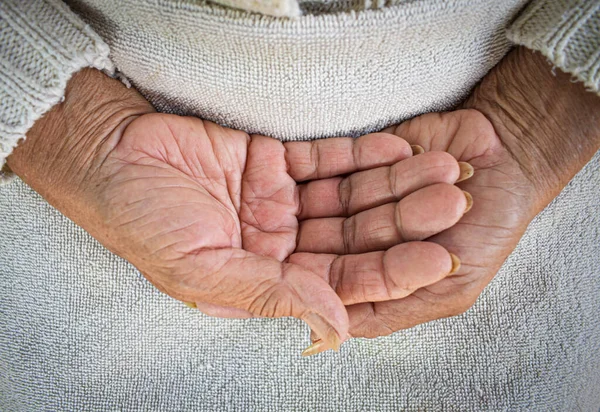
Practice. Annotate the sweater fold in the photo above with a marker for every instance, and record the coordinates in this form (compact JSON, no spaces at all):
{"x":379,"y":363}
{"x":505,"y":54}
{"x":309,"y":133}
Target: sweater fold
{"x":42,"y":43}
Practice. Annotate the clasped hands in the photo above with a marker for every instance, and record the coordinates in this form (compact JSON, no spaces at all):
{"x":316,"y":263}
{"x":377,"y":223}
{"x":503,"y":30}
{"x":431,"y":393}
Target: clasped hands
{"x":357,"y":237}
{"x":330,"y":231}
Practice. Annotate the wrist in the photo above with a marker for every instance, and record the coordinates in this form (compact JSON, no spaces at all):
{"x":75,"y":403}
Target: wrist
{"x":71,"y":140}
{"x":549,"y":124}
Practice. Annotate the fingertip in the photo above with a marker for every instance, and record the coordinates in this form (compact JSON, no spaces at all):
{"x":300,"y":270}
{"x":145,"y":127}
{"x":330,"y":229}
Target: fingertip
{"x":431,"y":210}
{"x":329,"y":336}
{"x":417,"y":264}
{"x":439,"y":166}
{"x":318,"y":305}
{"x":382,"y":149}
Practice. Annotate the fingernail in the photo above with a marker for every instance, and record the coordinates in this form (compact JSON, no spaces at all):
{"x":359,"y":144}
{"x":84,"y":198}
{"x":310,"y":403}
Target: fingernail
{"x":466,"y":171}
{"x":317,"y":347}
{"x":190,"y":305}
{"x":455,"y":264}
{"x":323,"y":329}
{"x":416,"y":149}
{"x":469,"y":201}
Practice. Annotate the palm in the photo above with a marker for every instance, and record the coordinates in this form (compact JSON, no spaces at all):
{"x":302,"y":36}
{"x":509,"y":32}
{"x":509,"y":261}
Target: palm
{"x":485,"y":236}
{"x":249,"y":226}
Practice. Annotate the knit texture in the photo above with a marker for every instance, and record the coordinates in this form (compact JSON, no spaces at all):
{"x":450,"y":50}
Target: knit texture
{"x":371,"y":61}
{"x":80,"y":329}
{"x":42,"y":43}
{"x":330,"y":74}
{"x":277,"y":8}
{"x":565,"y":31}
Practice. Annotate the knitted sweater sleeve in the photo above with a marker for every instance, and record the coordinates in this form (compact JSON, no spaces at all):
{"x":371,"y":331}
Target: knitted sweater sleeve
{"x":42,"y":43}
{"x":567,"y":32}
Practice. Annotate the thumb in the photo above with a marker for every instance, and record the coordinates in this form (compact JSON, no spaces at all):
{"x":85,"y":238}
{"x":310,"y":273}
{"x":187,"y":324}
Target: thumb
{"x":266,"y":287}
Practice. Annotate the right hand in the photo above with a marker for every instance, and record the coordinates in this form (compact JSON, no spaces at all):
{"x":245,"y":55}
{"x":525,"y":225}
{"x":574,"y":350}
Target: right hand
{"x":213,"y":216}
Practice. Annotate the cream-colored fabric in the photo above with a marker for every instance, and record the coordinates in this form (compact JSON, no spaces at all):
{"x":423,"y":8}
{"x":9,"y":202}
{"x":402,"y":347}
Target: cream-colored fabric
{"x":277,"y":8}
{"x":315,"y":76}
{"x":80,"y":329}
{"x":345,"y":67}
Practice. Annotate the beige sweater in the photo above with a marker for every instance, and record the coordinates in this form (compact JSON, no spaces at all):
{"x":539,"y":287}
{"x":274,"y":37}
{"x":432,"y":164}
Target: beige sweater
{"x":335,"y":67}
{"x":80,"y":329}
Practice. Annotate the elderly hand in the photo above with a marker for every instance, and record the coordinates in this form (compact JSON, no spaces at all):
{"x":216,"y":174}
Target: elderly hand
{"x":245,"y":226}
{"x":483,"y":238}
{"x":527,"y":132}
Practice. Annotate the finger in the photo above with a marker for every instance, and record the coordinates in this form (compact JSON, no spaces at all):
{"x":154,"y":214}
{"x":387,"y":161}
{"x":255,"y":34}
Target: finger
{"x":371,"y":320}
{"x":453,"y":132}
{"x":381,"y":276}
{"x":324,"y":158}
{"x":367,"y":189}
{"x":275,"y":289}
{"x":421,"y":214}
{"x":217,"y":311}
{"x":269,"y":201}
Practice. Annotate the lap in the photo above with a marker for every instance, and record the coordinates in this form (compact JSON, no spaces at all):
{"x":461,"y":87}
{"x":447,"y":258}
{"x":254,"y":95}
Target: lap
{"x":82,"y":329}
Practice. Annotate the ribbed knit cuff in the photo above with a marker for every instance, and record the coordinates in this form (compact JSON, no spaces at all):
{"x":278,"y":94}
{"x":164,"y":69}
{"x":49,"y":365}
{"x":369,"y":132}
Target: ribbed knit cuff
{"x":42,"y":44}
{"x":565,"y":31}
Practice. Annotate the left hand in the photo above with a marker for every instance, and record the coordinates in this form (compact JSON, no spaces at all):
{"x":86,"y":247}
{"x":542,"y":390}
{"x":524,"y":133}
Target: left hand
{"x":527,"y":131}
{"x":213,"y":216}
{"x":483,"y":238}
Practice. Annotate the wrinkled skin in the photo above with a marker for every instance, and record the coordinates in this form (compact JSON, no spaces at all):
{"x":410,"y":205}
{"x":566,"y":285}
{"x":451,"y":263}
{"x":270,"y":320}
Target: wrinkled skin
{"x":213,"y":216}
{"x":328,"y":231}
{"x":504,"y":204}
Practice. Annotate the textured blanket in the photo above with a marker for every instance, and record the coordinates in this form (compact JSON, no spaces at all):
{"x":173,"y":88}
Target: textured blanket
{"x":80,"y":329}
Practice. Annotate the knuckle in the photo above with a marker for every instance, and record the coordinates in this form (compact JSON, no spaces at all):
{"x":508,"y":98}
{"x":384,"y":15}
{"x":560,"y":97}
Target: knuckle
{"x":398,"y":223}
{"x":315,"y":157}
{"x":270,"y":303}
{"x":376,"y":325}
{"x":349,"y":234}
{"x":345,"y":193}
{"x":393,"y":181}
